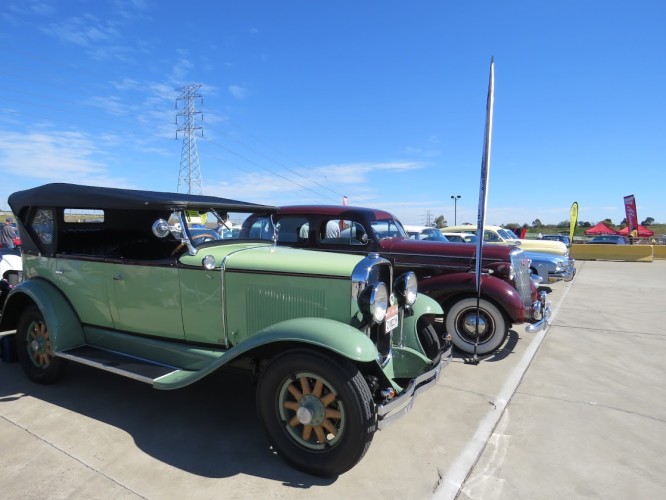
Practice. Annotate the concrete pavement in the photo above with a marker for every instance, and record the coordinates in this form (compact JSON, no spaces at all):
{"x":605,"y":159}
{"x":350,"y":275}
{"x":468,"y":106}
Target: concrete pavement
{"x":578,"y":412}
{"x":588,"y":420}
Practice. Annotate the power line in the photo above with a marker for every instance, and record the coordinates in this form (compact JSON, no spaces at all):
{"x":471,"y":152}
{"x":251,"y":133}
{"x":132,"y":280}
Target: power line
{"x":190,"y":151}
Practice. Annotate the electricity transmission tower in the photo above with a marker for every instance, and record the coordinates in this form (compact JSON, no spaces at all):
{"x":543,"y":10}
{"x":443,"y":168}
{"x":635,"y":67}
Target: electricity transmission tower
{"x":189,"y":177}
{"x":428,"y":218}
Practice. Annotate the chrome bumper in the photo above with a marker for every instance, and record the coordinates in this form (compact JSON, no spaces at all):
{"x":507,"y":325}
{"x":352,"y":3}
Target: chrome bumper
{"x":566,"y":275}
{"x":540,"y":313}
{"x":390,"y":411}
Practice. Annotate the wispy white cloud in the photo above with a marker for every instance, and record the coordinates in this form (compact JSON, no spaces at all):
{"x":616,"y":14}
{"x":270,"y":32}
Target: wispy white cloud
{"x":100,"y":38}
{"x":126,"y":84}
{"x":41,"y":8}
{"x":130,"y":10}
{"x":54,"y":156}
{"x":181,"y":69}
{"x":292,"y":186}
{"x":84,"y":30}
{"x":112,"y":105}
{"x":430,"y":148}
{"x":238,"y":92}
{"x":17,"y":10}
{"x":355,"y":173}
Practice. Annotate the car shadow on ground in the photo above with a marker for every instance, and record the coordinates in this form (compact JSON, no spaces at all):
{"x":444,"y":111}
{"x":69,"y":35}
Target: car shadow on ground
{"x":506,"y":349}
{"x":210,"y":428}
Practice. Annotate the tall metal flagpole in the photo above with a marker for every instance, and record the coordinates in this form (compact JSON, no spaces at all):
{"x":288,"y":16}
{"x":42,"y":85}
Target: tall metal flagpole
{"x":483,"y":196}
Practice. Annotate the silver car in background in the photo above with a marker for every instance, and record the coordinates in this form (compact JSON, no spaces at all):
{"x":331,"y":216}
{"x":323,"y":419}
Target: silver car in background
{"x":551,"y":267}
{"x":548,"y":267}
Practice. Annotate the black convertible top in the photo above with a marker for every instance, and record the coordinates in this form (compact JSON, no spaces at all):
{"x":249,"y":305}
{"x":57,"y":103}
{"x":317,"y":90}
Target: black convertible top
{"x":92,"y":197}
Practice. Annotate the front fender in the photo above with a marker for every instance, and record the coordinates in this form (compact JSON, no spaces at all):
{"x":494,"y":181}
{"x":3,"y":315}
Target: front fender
{"x":340,"y":338}
{"x":447,"y":288}
{"x":64,"y":326}
{"x":424,"y":305}
{"x":323,"y":333}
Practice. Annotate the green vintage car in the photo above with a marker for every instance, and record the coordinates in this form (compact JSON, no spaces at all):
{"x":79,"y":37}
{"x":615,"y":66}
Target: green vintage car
{"x":141,"y":284}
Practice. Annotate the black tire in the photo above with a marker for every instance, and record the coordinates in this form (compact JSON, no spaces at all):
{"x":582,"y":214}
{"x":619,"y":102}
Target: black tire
{"x":429,"y":339}
{"x":461,"y":325}
{"x":35,"y":349}
{"x":301,"y":387}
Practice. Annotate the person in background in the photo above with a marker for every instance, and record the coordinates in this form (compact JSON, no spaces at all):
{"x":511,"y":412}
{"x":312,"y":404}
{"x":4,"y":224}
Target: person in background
{"x":7,"y":234}
{"x":633,"y":236}
{"x":332,"y":229}
{"x":223,"y":224}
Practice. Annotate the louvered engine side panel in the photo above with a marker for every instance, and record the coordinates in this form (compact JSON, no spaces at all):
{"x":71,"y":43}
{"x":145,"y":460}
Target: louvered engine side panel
{"x":269,"y":305}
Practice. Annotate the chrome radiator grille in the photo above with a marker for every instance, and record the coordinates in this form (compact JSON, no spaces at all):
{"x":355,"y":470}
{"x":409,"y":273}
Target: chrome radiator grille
{"x":521,"y":266}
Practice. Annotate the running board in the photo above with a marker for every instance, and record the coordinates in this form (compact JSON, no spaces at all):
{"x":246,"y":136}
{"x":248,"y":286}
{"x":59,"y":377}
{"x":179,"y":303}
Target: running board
{"x":140,"y":369}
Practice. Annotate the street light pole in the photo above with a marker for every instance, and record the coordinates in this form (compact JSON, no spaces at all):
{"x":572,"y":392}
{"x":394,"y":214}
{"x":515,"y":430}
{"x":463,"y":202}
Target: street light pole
{"x":455,"y":208}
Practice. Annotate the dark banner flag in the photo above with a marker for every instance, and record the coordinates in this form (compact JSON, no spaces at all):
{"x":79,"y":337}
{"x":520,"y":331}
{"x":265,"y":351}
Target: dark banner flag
{"x":573,"y":220}
{"x":485,"y":171}
{"x":630,"y":210}
{"x":483,"y":197}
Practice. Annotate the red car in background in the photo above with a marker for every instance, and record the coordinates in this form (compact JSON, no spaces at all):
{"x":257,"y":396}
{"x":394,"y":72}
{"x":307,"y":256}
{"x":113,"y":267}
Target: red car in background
{"x":446,"y":271}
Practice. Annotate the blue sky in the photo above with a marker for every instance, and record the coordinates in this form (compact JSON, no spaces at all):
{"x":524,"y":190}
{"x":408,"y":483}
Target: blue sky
{"x":381,"y":101}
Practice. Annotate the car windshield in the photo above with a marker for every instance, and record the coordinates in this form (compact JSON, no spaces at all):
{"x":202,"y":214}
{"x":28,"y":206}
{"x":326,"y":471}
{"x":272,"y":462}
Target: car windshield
{"x":432,"y":235}
{"x":388,"y":228}
{"x":206,"y":226}
{"x":507,"y":234}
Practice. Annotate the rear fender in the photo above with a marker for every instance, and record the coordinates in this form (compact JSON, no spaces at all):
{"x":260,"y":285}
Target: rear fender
{"x":448,"y":288}
{"x":64,"y":326}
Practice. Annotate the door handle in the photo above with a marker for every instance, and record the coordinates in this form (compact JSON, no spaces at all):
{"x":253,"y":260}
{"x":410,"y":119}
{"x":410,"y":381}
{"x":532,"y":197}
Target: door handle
{"x":118,"y":277}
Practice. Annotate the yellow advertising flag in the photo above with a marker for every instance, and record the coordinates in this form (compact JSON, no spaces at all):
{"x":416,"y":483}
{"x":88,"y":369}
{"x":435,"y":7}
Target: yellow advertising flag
{"x":573,"y":220}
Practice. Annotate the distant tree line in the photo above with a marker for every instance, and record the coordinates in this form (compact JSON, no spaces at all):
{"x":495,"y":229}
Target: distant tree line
{"x":536,"y":224}
{"x":441,"y":222}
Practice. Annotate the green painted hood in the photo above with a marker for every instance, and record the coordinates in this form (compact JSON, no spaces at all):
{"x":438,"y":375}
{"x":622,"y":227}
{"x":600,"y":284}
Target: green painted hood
{"x":261,"y":257}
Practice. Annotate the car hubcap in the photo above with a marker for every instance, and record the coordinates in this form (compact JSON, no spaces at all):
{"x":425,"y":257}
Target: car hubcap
{"x":467,"y":326}
{"x":39,"y":344}
{"x":311,"y":410}
{"x":470,"y":324}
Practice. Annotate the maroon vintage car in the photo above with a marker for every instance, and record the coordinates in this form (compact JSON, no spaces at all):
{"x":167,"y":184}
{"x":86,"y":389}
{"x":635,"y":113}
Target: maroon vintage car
{"x":446,"y":271}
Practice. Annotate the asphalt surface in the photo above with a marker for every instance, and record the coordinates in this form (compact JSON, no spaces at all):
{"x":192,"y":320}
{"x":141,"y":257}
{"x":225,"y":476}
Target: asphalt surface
{"x":578,"y":411}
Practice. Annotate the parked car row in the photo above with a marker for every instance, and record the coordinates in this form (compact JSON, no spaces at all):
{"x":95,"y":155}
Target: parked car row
{"x":549,"y":256}
{"x":557,"y":237}
{"x":340,"y":317}
{"x":546,"y":267}
{"x":503,"y":236}
{"x":609,"y":239}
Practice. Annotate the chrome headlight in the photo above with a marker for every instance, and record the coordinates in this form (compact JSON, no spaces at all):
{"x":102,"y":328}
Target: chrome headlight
{"x":374,"y":302}
{"x":406,"y":288}
{"x":208,"y":262}
{"x":512,"y":273}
